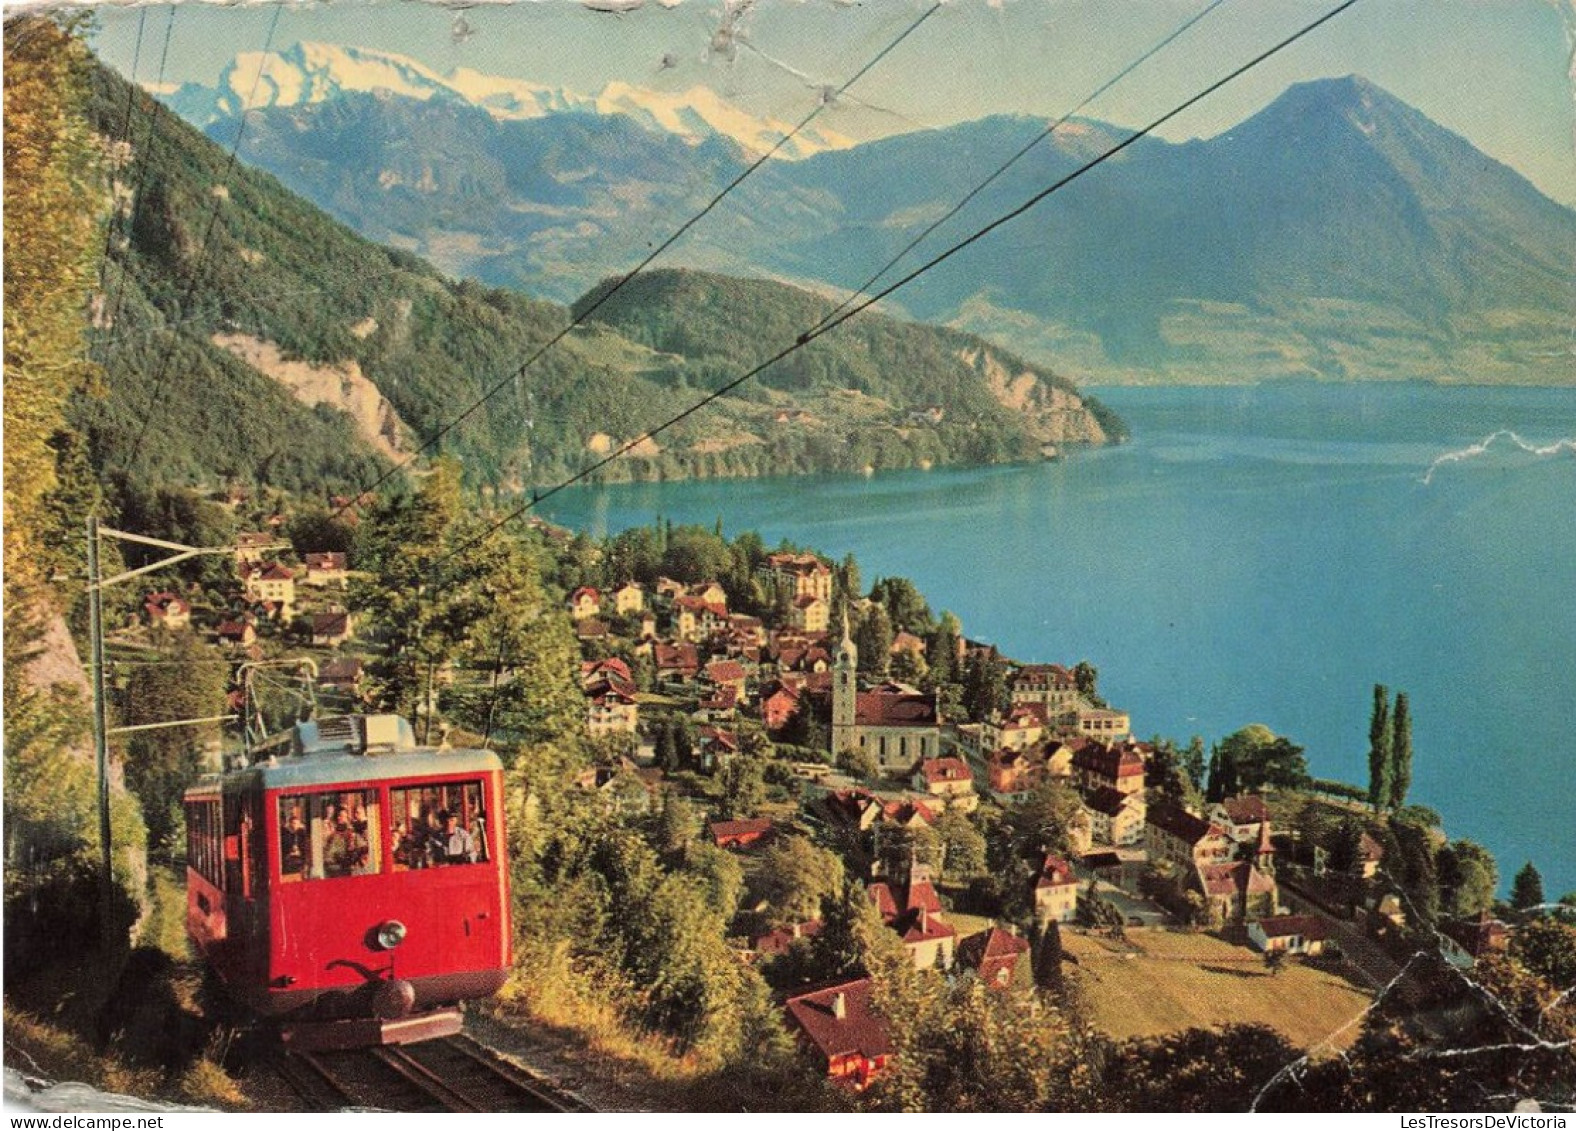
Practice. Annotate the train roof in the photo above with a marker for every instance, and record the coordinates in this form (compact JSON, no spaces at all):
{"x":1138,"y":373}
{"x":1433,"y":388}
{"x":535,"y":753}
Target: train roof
{"x":351,"y":748}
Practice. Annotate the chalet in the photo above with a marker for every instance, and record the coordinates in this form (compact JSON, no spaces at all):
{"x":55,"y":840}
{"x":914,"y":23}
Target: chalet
{"x":948,"y":779}
{"x":343,"y":673}
{"x":1056,"y":892}
{"x":739,"y":834}
{"x":1011,"y":775}
{"x":1023,"y":725}
{"x":585,"y":603}
{"x":1188,"y":841}
{"x":714,"y":595}
{"x":1115,"y":818}
{"x":167,"y":610}
{"x":614,"y":669}
{"x":726,"y":673}
{"x":904,"y":814}
{"x":240,"y":633}
{"x":746,"y":628}
{"x":1237,"y":891}
{"x":838,"y":1025}
{"x":776,"y":942}
{"x":780,"y":702}
{"x":677,"y":663}
{"x":629,"y":598}
{"x":328,"y":567}
{"x":852,"y":808}
{"x":332,"y":628}
{"x":252,"y":545}
{"x":714,"y":747}
{"x":271,"y":582}
{"x":684,"y":619}
{"x":995,"y":955}
{"x":611,"y":707}
{"x":797,"y":576}
{"x":1119,"y":767}
{"x":913,"y":909}
{"x":1290,"y":934}
{"x":1241,"y":818}
{"x":668,"y":589}
{"x":592,"y":628}
{"x":1463,"y":941}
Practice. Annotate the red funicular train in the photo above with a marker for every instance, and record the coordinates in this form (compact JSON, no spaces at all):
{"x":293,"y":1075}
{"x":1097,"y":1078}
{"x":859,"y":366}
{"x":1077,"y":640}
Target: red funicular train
{"x":350,"y":884}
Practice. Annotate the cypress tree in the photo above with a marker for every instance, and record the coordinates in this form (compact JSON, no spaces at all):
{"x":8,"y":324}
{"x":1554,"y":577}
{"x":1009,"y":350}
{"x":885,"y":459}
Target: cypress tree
{"x":1526,"y":890}
{"x":1400,"y":752}
{"x":1212,"y":786}
{"x":1379,"y":763}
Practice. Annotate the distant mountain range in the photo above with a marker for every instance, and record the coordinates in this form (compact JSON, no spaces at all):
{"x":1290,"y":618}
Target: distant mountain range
{"x":247,"y":335}
{"x":311,"y":73}
{"x":1337,"y":234}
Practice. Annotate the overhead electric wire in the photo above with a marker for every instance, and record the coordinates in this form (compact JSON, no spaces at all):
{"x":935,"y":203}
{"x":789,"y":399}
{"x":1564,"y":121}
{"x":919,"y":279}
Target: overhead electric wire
{"x":203,"y":248}
{"x":113,"y":313}
{"x":125,"y":125}
{"x":1180,"y":30}
{"x":826,"y":327}
{"x":519,"y":371}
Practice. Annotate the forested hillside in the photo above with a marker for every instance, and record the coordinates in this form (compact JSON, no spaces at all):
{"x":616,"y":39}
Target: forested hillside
{"x":225,"y":292}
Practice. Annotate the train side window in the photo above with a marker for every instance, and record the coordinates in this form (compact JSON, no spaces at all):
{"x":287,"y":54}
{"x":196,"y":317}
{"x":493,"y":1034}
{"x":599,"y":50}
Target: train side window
{"x":328,"y":835}
{"x":439,"y":824}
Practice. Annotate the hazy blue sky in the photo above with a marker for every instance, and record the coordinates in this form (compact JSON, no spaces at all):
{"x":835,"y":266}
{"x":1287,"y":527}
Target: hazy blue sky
{"x":1496,"y":71}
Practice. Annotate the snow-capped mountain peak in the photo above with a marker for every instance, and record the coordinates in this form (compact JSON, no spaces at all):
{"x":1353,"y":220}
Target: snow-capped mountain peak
{"x":317,"y":72}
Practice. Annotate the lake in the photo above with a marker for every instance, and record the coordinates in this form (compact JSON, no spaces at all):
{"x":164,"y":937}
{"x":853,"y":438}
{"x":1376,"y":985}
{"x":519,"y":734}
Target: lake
{"x":1257,"y":554}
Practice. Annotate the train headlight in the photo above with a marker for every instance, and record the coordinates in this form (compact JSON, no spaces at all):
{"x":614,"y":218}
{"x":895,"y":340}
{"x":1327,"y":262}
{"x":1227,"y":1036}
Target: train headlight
{"x":391,"y":934}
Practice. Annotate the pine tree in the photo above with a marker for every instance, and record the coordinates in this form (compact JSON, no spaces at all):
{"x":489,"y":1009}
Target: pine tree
{"x":1400,"y":751}
{"x":1526,"y":890}
{"x":1379,"y":760}
{"x":1212,"y":784}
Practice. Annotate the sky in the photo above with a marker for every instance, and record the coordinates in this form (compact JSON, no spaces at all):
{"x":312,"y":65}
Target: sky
{"x":1496,"y":71}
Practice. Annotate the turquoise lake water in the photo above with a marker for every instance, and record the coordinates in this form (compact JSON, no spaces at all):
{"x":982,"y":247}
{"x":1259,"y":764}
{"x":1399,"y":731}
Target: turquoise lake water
{"x":1260,"y":554}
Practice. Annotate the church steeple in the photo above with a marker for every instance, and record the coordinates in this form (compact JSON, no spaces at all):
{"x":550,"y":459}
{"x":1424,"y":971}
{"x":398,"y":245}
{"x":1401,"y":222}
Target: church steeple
{"x":845,"y":692}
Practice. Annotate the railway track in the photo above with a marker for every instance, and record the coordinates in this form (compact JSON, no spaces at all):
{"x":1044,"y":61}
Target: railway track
{"x":450,"y":1074}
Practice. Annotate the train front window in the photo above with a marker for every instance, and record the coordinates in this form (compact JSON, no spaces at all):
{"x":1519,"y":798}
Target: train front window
{"x":438,"y":825}
{"x":327,"y":835}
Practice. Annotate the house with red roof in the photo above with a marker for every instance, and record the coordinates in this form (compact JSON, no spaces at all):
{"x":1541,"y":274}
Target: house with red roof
{"x":252,"y":545}
{"x":332,"y":628}
{"x":1119,"y":767}
{"x":676,"y":663}
{"x":996,"y":956}
{"x":1115,"y":818}
{"x":611,"y":707}
{"x":1237,"y":891}
{"x":1173,"y":834}
{"x":778,"y":941}
{"x":270,"y":582}
{"x":1056,"y":892}
{"x":585,"y":603}
{"x":780,"y":702}
{"x":948,"y":779}
{"x":739,"y":834}
{"x":343,"y":673}
{"x":326,"y":567}
{"x":1050,"y":685}
{"x":810,"y":614}
{"x":838,"y":1025}
{"x":714,"y":747}
{"x":240,"y":632}
{"x":167,"y":610}
{"x":1464,"y":941}
{"x":797,"y":575}
{"x":912,"y":908}
{"x":1290,"y":934}
{"x":1242,"y":818}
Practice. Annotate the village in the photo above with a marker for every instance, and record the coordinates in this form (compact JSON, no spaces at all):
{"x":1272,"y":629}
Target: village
{"x":1011,"y":834}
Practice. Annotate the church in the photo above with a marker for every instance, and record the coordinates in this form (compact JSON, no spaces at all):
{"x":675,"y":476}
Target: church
{"x":898,"y":724}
